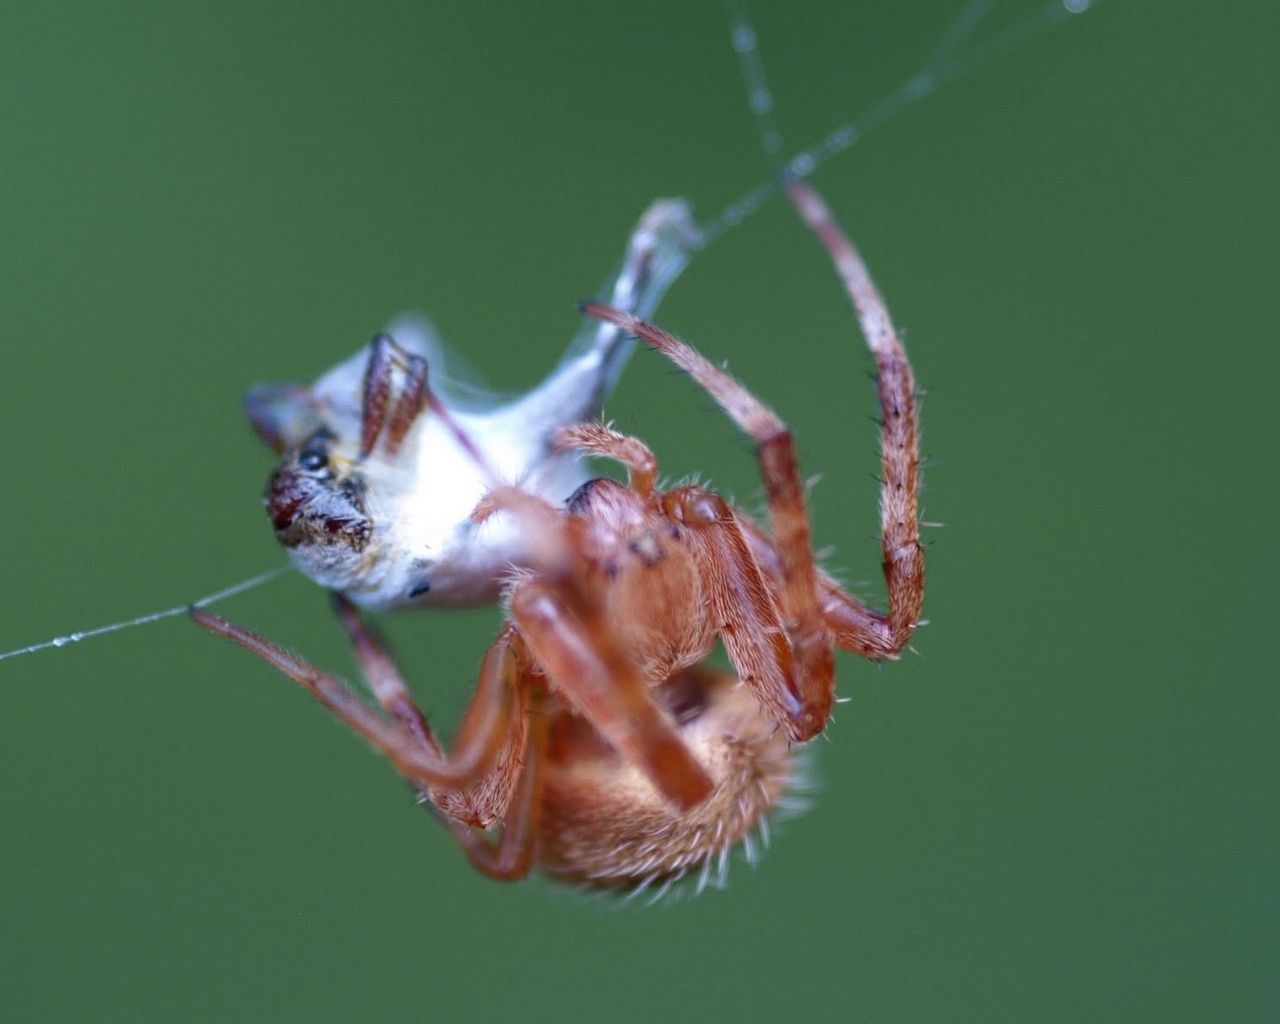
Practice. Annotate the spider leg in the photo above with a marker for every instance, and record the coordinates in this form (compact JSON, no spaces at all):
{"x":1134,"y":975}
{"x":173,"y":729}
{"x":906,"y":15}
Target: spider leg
{"x":879,"y":636}
{"x":559,"y":618}
{"x":853,"y":625}
{"x":598,"y":439}
{"x":752,"y":626}
{"x":511,"y":857}
{"x":797,"y":573}
{"x":489,"y":738}
{"x":381,"y":674}
{"x":570,"y":639}
{"x":488,"y":725}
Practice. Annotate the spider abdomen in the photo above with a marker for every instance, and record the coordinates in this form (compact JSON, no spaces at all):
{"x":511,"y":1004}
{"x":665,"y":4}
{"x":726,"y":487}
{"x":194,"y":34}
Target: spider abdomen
{"x":605,"y":825}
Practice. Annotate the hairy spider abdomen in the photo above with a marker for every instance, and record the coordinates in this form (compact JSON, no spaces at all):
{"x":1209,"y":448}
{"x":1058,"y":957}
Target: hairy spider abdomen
{"x":605,"y":825}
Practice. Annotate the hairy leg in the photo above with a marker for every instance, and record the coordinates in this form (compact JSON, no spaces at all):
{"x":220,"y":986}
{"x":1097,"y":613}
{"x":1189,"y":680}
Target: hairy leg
{"x":511,"y":856}
{"x":797,"y":575}
{"x":598,"y":439}
{"x":899,"y":447}
{"x":492,"y":716}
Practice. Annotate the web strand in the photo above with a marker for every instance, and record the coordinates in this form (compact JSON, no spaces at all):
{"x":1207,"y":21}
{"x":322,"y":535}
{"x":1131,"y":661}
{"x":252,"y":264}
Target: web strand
{"x":944,"y":65}
{"x":146,"y":620}
{"x":746,"y":44}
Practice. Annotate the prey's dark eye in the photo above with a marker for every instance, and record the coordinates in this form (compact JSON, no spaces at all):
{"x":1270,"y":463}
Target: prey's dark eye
{"x":313,"y":460}
{"x":314,"y":456}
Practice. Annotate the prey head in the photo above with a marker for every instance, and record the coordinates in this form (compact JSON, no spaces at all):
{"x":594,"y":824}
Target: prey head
{"x":347,"y":447}
{"x":384,"y":458}
{"x":316,"y":497}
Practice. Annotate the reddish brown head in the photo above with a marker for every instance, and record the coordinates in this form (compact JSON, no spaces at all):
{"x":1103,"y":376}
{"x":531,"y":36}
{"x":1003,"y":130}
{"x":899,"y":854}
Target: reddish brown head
{"x":311,"y":501}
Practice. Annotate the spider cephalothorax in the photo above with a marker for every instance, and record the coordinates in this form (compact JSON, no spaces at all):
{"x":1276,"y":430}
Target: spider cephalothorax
{"x":598,"y":745}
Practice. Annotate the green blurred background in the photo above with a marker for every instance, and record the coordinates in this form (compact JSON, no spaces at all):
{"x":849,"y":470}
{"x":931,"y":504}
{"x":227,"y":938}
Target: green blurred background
{"x":1065,"y":810}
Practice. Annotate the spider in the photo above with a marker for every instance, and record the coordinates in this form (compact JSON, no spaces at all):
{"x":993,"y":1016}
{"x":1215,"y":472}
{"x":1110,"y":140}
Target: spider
{"x":598,"y":746}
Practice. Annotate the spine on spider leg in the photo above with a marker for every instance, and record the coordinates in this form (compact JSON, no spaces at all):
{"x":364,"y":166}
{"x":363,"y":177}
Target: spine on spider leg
{"x":899,"y":435}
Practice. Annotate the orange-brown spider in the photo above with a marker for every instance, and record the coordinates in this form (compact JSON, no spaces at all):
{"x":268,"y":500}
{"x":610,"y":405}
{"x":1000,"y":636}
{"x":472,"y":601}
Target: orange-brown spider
{"x":597,"y":744}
